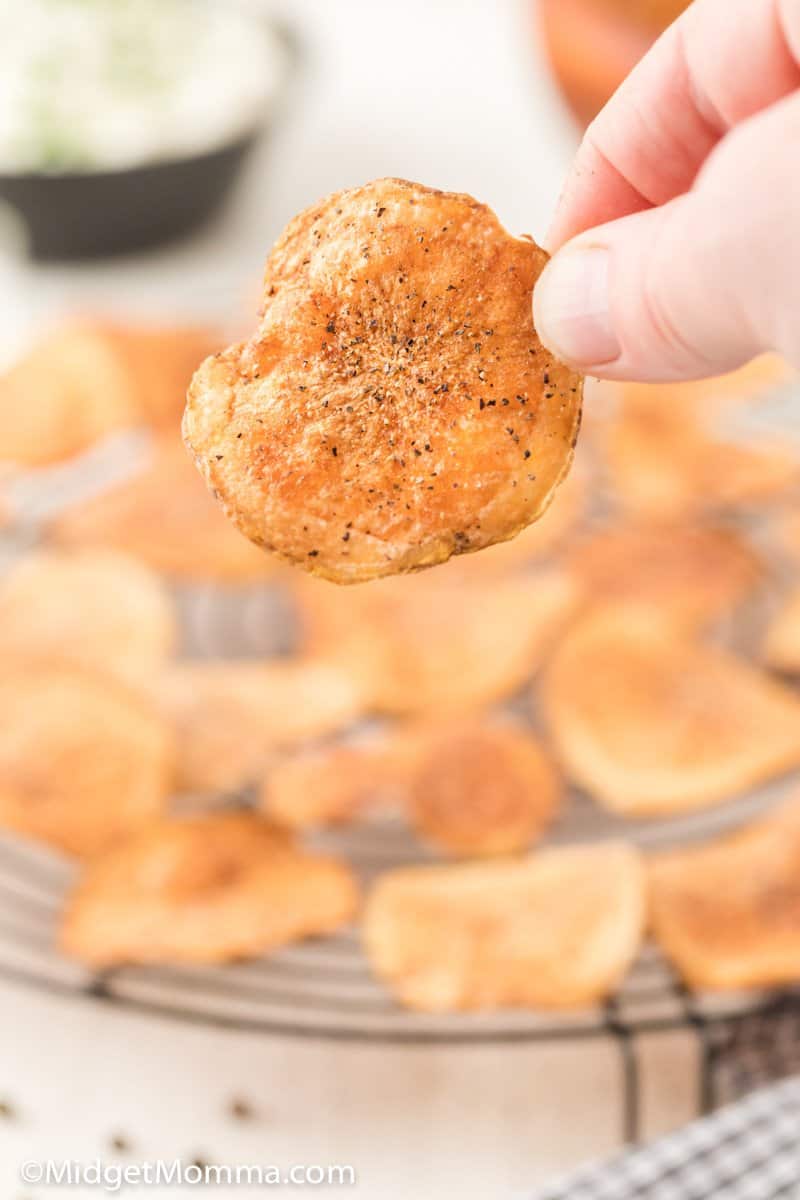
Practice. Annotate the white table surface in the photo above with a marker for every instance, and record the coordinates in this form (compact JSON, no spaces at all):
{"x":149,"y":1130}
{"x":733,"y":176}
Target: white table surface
{"x":447,"y":92}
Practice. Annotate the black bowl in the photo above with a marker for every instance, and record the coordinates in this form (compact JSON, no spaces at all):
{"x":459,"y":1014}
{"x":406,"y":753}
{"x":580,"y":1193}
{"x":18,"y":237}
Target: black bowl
{"x":89,"y":214}
{"x":108,"y":212}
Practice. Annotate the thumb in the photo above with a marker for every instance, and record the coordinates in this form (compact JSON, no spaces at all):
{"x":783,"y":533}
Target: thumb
{"x":698,"y":286}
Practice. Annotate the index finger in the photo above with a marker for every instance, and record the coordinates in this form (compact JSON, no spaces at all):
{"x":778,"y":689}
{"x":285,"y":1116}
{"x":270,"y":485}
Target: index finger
{"x":718,"y":64}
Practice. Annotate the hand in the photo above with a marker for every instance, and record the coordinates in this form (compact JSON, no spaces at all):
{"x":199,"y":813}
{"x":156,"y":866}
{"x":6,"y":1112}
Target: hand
{"x":677,"y":239}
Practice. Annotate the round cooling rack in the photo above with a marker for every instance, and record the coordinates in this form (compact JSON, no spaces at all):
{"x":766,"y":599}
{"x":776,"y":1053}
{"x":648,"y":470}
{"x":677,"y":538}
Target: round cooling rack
{"x":321,"y":988}
{"x":324,"y":988}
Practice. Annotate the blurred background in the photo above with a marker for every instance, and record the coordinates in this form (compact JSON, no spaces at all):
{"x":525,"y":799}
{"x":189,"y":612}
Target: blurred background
{"x":150,"y":153}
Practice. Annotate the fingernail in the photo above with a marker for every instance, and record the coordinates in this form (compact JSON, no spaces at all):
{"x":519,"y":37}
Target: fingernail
{"x":571,"y":308}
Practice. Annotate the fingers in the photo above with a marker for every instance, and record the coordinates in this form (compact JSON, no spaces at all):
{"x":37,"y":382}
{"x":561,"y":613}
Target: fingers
{"x":720,"y":63}
{"x":698,"y":286}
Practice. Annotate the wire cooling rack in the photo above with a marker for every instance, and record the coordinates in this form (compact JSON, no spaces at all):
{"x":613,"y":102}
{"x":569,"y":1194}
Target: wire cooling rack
{"x":323,"y":988}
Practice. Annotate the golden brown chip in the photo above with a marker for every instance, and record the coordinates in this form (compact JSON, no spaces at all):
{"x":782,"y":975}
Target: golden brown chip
{"x":558,"y":930}
{"x":544,"y":538}
{"x":204,"y":889}
{"x":728,"y":914}
{"x":165,"y":517}
{"x":689,"y":574}
{"x":70,"y":390}
{"x":230,"y":716}
{"x":482,"y":788}
{"x":781,"y":645}
{"x":394,"y":406}
{"x":666,"y":465}
{"x":82,"y":761}
{"x":337,"y":784}
{"x":93,"y":608}
{"x":650,"y":722}
{"x":430,"y":644}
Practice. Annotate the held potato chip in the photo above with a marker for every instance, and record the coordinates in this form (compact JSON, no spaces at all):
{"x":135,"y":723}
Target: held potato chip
{"x":558,"y":930}
{"x":204,"y":890}
{"x":165,"y":517}
{"x":482,"y":788}
{"x":82,"y":761}
{"x":689,"y":575}
{"x":394,"y":406}
{"x":428,"y":644}
{"x":93,"y":608}
{"x":728,"y":914}
{"x":650,"y":722}
{"x":229,"y":717}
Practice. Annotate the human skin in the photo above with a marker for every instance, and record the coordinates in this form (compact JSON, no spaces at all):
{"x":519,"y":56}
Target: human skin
{"x":676,"y":242}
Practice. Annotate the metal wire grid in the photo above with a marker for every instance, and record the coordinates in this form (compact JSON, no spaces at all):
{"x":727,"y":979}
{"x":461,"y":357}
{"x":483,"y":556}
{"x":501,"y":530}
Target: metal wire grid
{"x":323,"y":988}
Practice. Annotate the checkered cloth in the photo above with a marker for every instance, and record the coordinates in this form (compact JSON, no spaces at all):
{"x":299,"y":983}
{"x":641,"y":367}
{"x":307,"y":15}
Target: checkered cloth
{"x":748,"y":1151}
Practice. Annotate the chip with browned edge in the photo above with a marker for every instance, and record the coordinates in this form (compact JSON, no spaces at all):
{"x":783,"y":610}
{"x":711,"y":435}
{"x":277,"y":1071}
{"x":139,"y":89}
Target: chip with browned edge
{"x":204,"y":889}
{"x":728,"y":913}
{"x":557,"y":930}
{"x":394,"y":406}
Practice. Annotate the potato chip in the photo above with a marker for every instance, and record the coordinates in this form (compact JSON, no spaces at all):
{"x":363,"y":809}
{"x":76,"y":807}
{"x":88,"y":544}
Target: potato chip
{"x":689,"y":574}
{"x":728,"y":913}
{"x":428,"y":644}
{"x":229,"y":716}
{"x":781,"y":643}
{"x":204,"y":889}
{"x":96,"y":609}
{"x":482,"y":788}
{"x":160,"y":361}
{"x":785,"y":531}
{"x":165,"y":517}
{"x":539,"y":541}
{"x":394,"y":406}
{"x":82,"y":761}
{"x":558,"y":930}
{"x":666,"y":465}
{"x":70,"y":390}
{"x":650,"y":722}
{"x":337,"y":784}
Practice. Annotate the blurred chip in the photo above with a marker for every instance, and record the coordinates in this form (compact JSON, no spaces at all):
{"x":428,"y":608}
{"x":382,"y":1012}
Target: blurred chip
{"x":728,"y":913}
{"x":204,"y":889}
{"x":666,"y":462}
{"x":558,"y":930}
{"x":689,"y":574}
{"x":429,"y":644}
{"x":650,"y":723}
{"x":165,"y":517}
{"x":229,"y":716}
{"x":68,"y":391}
{"x":337,"y":784}
{"x":482,"y":788}
{"x":96,"y":609}
{"x":82,"y":760}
